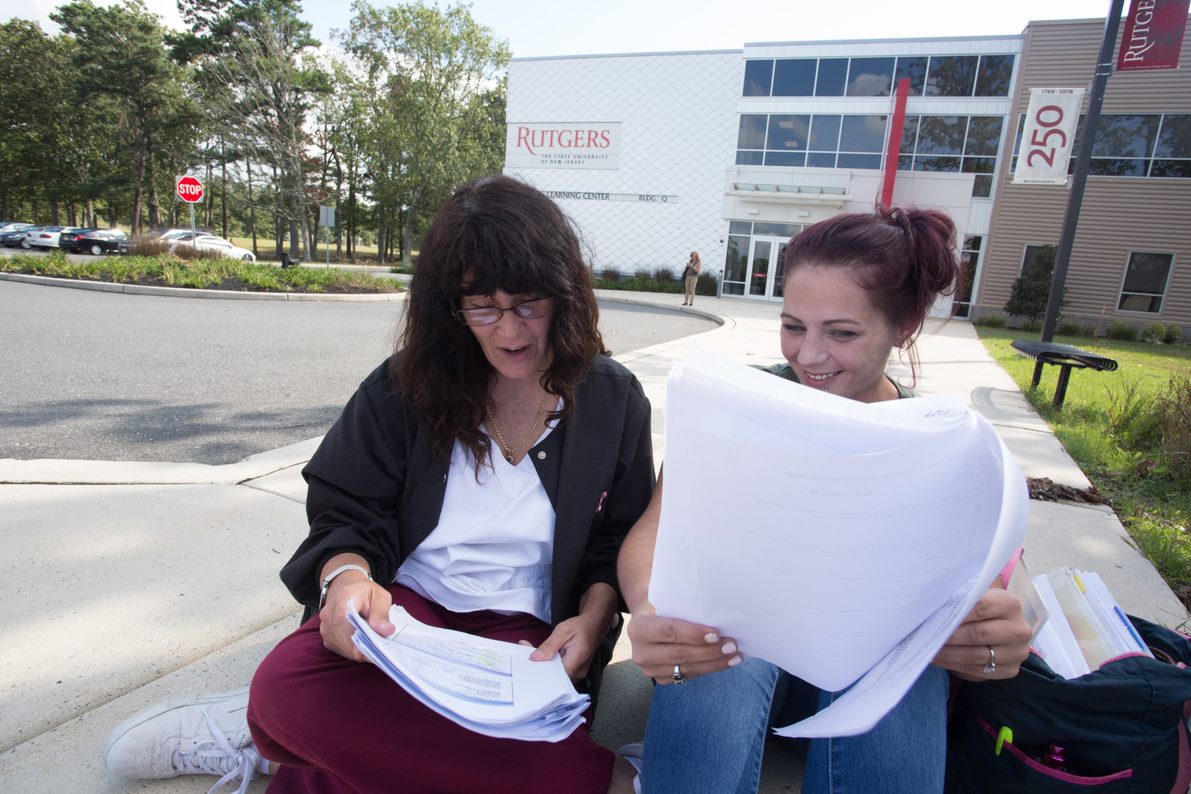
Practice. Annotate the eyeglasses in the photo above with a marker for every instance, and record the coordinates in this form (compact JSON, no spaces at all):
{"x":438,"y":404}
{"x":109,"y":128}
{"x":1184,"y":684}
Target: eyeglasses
{"x":490,"y":315}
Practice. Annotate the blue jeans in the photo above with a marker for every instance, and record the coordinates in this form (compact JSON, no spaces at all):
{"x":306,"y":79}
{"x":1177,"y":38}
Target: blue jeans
{"x":709,"y":736}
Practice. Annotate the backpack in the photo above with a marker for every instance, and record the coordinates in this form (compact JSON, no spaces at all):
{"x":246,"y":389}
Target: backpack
{"x":1121,"y":728}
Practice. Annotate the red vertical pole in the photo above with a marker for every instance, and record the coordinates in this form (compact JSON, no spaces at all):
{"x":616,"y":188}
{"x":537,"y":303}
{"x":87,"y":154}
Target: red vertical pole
{"x":895,"y":140}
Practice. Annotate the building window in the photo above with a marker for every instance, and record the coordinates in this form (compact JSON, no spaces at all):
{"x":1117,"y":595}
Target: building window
{"x":1146,"y":277}
{"x":736,"y":264}
{"x":915,"y":70}
{"x":786,"y":143}
{"x":959,"y":144}
{"x":794,"y":77}
{"x":1136,"y":145}
{"x":936,"y":75}
{"x":1123,"y":145}
{"x":994,"y":75}
{"x":833,"y":75}
{"x":758,"y":77}
{"x":870,"y":77}
{"x":969,"y":260}
{"x":821,"y":141}
{"x":951,"y":75}
{"x":1172,"y":155}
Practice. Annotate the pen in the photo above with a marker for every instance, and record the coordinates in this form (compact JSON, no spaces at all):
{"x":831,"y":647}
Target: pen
{"x":1132,"y":631}
{"x":1003,"y":736}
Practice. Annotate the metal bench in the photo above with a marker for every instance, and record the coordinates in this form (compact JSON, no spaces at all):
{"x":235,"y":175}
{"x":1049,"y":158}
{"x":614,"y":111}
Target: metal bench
{"x":1064,"y":357}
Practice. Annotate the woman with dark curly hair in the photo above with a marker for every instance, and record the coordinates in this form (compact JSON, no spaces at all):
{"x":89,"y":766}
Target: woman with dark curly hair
{"x":483,"y":478}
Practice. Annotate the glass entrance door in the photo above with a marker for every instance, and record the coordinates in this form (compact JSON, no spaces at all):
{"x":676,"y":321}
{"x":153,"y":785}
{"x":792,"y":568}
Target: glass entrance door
{"x":765,"y":267}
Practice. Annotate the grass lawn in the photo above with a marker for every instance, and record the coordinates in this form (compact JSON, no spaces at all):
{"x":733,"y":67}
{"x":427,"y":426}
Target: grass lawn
{"x":167,"y":270}
{"x":1106,"y":425}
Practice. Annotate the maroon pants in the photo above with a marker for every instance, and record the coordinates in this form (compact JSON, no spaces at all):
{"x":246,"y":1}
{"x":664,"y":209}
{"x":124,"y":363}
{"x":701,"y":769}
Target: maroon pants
{"x":336,"y":725}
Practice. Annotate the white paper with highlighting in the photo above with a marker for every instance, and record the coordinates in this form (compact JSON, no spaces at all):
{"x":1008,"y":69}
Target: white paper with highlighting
{"x":487,"y":686}
{"x":833,"y":538}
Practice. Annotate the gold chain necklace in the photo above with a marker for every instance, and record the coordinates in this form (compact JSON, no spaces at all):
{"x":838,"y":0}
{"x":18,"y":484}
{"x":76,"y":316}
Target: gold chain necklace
{"x":532,"y":434}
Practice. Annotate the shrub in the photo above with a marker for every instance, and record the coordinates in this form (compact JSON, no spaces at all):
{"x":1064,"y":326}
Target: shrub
{"x":147,"y":246}
{"x":1031,"y":325}
{"x":991,"y":321}
{"x":1174,"y":335}
{"x":610,"y":274}
{"x":1122,"y":331}
{"x":1174,"y":421}
{"x":706,"y":285}
{"x":663,"y":274}
{"x":1154,"y":333}
{"x":1031,"y":290}
{"x":1072,"y":328}
{"x":1132,"y":417}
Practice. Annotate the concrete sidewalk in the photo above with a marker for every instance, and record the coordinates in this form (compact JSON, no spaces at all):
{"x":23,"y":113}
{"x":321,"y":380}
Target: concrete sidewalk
{"x":131,"y":583}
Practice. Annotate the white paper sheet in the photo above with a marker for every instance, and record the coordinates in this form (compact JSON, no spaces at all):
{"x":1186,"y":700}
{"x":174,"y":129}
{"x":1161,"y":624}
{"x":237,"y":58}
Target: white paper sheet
{"x":831,"y":537}
{"x":487,"y":686}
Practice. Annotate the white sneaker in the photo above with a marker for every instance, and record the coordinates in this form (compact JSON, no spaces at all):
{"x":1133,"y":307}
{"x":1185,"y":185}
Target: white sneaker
{"x":206,"y":735}
{"x":634,"y":753}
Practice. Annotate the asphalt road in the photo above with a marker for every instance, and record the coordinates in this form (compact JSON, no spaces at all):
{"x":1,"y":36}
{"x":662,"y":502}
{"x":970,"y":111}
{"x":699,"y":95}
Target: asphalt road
{"x":104,"y":376}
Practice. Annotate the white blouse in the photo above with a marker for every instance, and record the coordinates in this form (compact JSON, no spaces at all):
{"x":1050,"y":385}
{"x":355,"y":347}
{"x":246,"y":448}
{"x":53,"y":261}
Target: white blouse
{"x":494,"y":543}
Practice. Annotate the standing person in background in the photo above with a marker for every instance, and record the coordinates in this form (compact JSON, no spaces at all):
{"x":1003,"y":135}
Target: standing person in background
{"x":857,"y":287}
{"x":690,"y":278}
{"x":483,"y":478}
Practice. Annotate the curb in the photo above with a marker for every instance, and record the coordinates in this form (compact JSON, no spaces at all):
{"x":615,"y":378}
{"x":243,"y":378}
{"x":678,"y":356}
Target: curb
{"x":186,"y":292}
{"x":612,"y":296}
{"x":51,"y":471}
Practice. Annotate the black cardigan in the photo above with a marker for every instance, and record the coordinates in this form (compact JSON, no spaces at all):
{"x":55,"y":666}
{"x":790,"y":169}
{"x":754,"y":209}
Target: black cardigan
{"x":375,"y":488}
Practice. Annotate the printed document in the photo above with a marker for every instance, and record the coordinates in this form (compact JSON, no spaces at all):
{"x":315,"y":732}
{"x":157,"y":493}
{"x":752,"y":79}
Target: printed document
{"x":487,"y":686}
{"x":842,"y":541}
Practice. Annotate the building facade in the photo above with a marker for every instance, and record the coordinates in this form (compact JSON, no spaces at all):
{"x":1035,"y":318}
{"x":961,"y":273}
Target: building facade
{"x":1131,"y":259}
{"x":732,"y":153}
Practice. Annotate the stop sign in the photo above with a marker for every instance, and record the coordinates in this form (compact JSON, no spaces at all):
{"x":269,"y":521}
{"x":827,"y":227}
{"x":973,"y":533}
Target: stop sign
{"x":189,"y":189}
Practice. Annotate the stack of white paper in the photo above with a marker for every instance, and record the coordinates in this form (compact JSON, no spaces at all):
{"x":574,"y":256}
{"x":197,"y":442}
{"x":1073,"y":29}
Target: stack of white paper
{"x":487,"y":686}
{"x":1086,"y":627}
{"x":833,"y":538}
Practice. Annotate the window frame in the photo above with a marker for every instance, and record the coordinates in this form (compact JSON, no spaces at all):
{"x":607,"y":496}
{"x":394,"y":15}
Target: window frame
{"x":1025,"y":250}
{"x":1121,"y":293}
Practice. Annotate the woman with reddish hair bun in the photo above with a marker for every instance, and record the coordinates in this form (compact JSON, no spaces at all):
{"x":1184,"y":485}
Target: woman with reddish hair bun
{"x":857,"y":287}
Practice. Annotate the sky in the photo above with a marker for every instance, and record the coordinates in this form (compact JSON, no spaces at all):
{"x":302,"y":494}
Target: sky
{"x":535,"y":28}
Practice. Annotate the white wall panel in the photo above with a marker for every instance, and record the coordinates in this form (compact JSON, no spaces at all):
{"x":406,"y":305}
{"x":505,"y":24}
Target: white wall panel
{"x":679,"y":124}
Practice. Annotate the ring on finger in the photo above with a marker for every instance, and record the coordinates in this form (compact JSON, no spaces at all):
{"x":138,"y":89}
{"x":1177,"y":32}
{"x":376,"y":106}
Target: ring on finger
{"x":679,"y":678}
{"x":991,"y":667}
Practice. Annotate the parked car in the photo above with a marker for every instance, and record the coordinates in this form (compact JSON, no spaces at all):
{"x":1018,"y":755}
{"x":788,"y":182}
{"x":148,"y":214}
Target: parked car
{"x":103,"y":241}
{"x":45,"y":237}
{"x":18,"y":239}
{"x":209,"y":242}
{"x":13,"y":226}
{"x":173,"y":234}
{"x":12,"y":236}
{"x":69,"y":239}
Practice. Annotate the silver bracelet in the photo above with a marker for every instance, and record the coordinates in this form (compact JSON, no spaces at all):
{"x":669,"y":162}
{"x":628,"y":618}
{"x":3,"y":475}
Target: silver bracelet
{"x":351,"y":566}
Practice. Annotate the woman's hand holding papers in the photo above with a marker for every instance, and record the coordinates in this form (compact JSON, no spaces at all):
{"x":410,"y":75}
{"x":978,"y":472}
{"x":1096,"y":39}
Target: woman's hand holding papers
{"x":372,"y":602}
{"x":659,"y":644}
{"x":995,"y":622}
{"x":577,"y":638}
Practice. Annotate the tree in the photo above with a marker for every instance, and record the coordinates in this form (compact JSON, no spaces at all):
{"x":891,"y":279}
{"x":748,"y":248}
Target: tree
{"x":437,"y":76}
{"x":253,"y":60}
{"x":1031,"y":289}
{"x":120,"y":55}
{"x":51,"y":149}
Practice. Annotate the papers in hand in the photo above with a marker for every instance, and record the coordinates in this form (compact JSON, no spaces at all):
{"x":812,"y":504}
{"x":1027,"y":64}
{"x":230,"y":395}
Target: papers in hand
{"x":487,"y":686}
{"x":839,"y":540}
